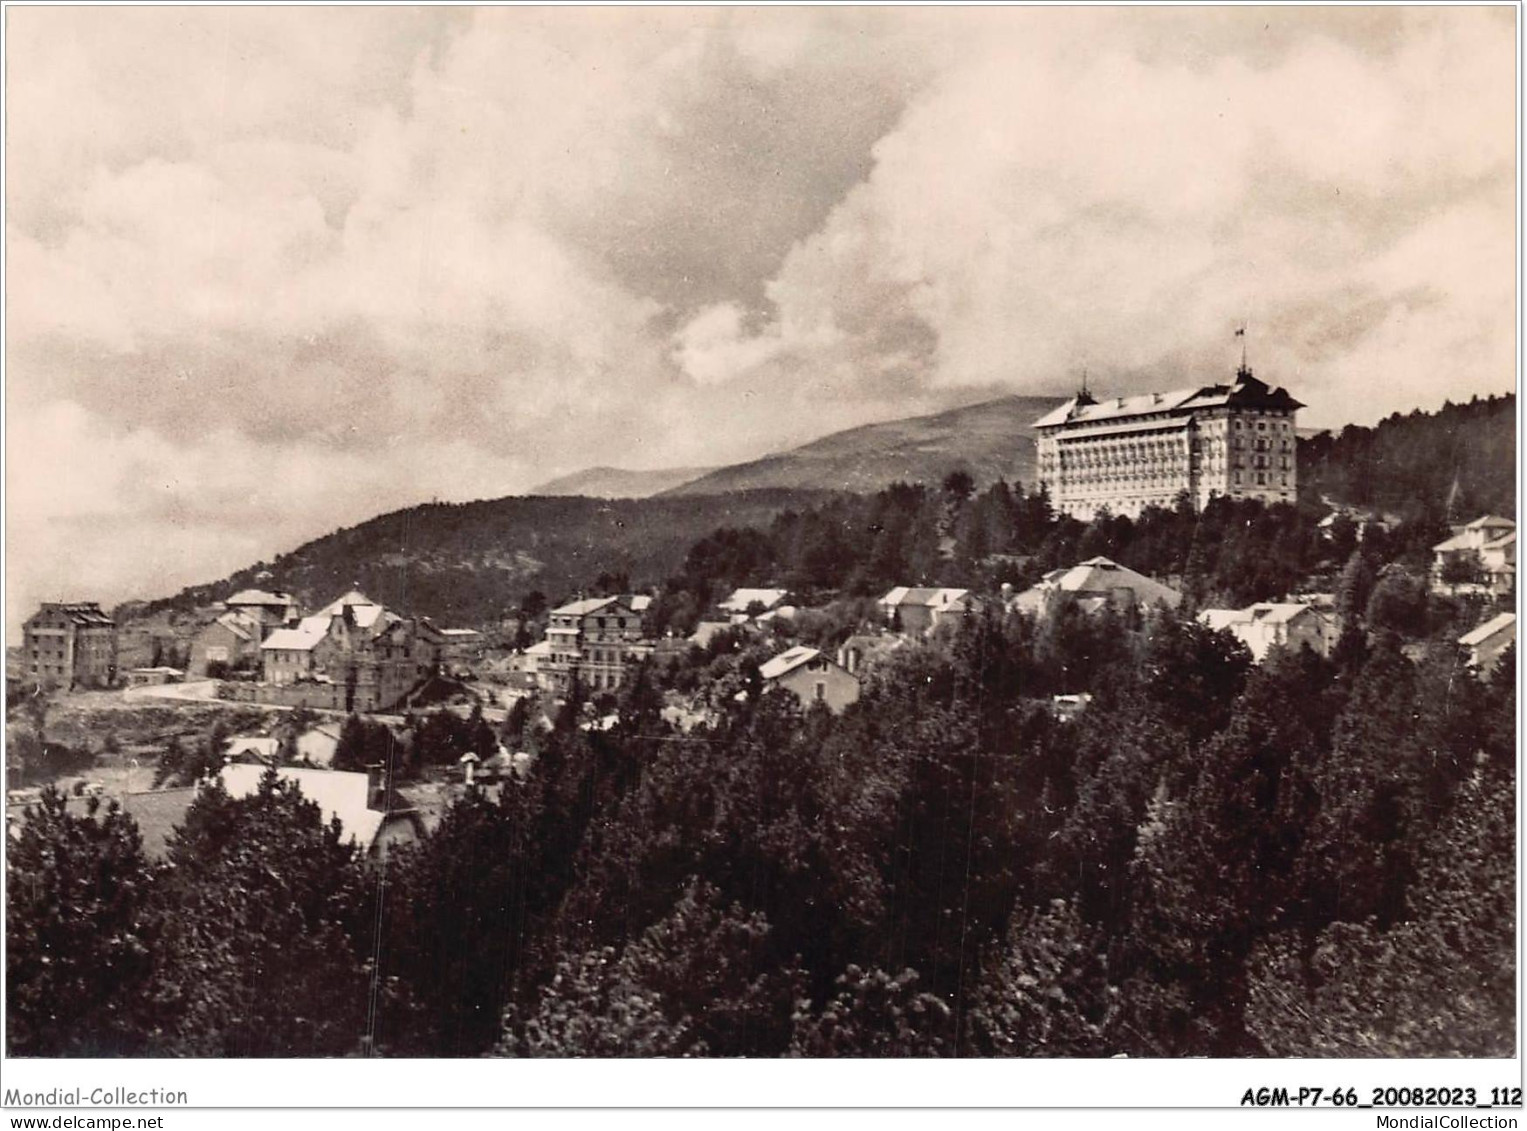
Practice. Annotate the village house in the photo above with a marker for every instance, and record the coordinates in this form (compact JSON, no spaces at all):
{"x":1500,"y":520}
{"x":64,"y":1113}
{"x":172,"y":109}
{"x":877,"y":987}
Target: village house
{"x":595,"y":640}
{"x":1480,"y":554}
{"x":287,"y":655}
{"x":918,"y":611}
{"x":1265,"y":626}
{"x":70,"y":644}
{"x":231,"y":640}
{"x":406,"y":652}
{"x":349,"y":656}
{"x":532,"y":659}
{"x":267,"y":610}
{"x":812,"y":678}
{"x":460,"y":646}
{"x":1093,"y":585}
{"x":1486,"y":643}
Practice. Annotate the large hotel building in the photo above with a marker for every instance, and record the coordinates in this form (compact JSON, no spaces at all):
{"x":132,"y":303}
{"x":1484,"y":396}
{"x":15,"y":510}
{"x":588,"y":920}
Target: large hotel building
{"x":1129,"y":453}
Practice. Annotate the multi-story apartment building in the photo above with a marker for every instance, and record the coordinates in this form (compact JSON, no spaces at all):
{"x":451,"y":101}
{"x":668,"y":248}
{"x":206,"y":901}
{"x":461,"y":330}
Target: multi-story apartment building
{"x":70,"y":645}
{"x":597,"y":639}
{"x":1128,"y":453}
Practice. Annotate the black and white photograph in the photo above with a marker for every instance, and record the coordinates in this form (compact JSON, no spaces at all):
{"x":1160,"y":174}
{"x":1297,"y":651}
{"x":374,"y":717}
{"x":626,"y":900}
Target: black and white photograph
{"x":766,"y":533}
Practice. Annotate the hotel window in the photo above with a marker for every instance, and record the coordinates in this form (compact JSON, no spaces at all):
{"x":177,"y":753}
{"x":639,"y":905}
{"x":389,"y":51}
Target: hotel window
{"x":1261,"y":479}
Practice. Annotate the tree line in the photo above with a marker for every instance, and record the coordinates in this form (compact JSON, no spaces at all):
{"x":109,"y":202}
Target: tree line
{"x":1309,"y":857}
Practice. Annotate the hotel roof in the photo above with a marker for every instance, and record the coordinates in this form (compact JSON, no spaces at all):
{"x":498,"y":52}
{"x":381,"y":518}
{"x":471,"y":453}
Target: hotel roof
{"x":1083,"y":409}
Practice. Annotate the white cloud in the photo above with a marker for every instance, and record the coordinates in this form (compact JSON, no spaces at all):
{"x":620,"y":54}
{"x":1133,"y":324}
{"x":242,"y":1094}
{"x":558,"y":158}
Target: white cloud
{"x":316,"y":263}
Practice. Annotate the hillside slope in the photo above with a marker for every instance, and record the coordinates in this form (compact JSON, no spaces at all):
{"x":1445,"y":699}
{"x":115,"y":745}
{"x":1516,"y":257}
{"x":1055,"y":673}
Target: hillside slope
{"x":1455,"y":464}
{"x":618,"y":483}
{"x":991,"y":440}
{"x":470,"y":563}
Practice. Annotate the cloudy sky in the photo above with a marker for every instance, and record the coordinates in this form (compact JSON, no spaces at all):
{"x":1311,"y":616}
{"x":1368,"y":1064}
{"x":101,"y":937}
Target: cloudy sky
{"x":271,"y":271}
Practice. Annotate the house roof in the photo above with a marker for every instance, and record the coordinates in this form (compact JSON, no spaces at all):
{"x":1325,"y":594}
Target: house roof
{"x":539,"y":648}
{"x":1490,"y":521}
{"x":459,"y":633}
{"x":1116,"y":407}
{"x":240,"y":624}
{"x":1278,"y":613}
{"x":303,"y":638}
{"x":1218,"y":619}
{"x":353,"y":597}
{"x":584,"y":607}
{"x":742,"y":600}
{"x":258,"y":745}
{"x":788,"y":660}
{"x":1505,"y":541}
{"x":161,"y":670}
{"x":1501,"y":623}
{"x":1458,"y":541}
{"x":1264,"y":612}
{"x":929,"y":597}
{"x":80,"y":612}
{"x":337,"y":793}
{"x":1101,"y":577}
{"x":259,"y":597}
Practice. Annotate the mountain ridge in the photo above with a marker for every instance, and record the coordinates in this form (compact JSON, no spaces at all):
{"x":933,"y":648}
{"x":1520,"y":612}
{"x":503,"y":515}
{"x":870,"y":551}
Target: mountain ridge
{"x":605,"y":482}
{"x":991,"y":440}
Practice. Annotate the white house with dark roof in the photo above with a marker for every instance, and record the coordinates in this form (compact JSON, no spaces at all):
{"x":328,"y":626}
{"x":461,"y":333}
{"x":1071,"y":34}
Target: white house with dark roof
{"x":812,"y":677}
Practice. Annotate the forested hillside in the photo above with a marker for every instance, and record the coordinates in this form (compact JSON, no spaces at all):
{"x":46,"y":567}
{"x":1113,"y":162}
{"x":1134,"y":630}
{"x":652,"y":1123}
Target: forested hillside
{"x":1309,"y":858}
{"x":468,"y":563}
{"x":1458,"y":463}
{"x":990,"y":441}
